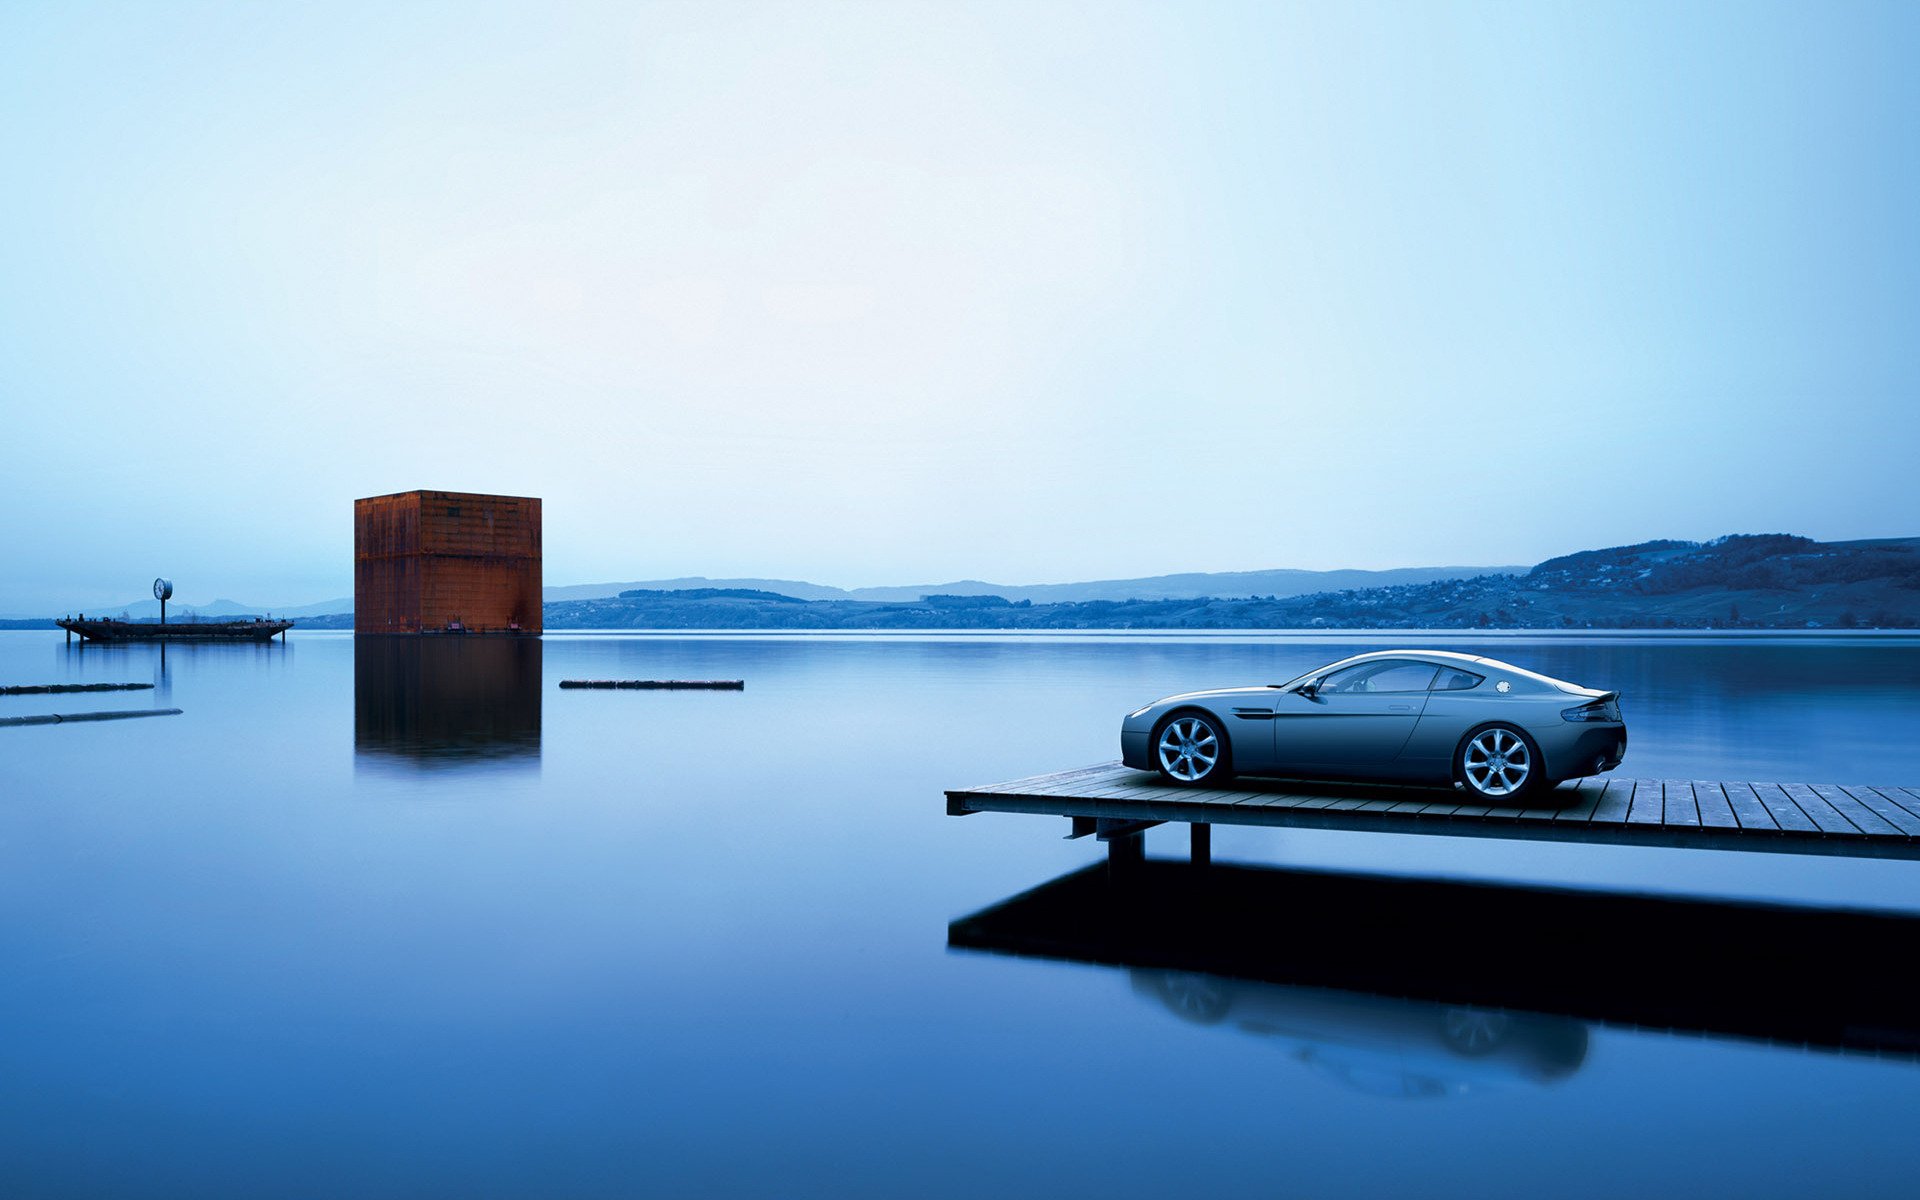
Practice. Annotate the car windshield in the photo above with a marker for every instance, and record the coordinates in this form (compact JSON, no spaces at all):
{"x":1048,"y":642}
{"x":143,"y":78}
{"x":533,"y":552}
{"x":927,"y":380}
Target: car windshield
{"x":1316,"y":673}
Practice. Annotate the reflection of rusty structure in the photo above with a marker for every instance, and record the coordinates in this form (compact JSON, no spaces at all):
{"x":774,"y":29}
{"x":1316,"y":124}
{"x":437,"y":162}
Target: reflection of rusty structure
{"x":447,"y":701}
{"x":446,"y":562}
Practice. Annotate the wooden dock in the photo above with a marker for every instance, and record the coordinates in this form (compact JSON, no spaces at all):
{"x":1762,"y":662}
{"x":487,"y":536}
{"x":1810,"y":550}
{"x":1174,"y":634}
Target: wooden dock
{"x":1793,"y":818}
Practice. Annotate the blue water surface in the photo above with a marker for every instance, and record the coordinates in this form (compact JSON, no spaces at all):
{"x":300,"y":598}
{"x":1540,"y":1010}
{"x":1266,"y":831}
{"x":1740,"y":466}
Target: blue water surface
{"x":359,"y":924}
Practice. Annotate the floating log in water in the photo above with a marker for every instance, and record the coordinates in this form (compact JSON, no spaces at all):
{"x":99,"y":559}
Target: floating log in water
{"x":712,"y":685}
{"x":63,"y":718}
{"x":44,"y":689}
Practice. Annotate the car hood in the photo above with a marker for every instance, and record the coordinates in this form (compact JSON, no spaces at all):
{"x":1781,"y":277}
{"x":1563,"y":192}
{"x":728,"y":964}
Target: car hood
{"x":1219,"y":693}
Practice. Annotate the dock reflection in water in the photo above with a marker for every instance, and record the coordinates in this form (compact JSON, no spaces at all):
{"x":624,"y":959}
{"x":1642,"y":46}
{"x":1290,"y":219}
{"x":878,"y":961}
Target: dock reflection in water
{"x":446,"y":702}
{"x":1382,"y":1045}
{"x":1424,"y":988}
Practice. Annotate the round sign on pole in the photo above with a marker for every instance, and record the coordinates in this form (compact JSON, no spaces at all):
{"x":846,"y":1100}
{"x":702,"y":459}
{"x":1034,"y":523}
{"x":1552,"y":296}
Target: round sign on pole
{"x":163,"y":589}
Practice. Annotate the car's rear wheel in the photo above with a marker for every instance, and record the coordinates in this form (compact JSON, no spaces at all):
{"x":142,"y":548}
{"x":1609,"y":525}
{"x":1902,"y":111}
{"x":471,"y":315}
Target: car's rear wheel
{"x":1500,"y":764}
{"x":1202,"y":999}
{"x":1472,"y":1032}
{"x":1190,"y":750}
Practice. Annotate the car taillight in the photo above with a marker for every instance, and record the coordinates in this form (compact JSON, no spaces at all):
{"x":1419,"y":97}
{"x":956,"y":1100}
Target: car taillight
{"x":1599,"y":710}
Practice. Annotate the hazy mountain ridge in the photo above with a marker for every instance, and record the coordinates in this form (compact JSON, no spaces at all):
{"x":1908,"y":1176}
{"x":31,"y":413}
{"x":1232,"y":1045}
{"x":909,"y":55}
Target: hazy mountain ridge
{"x":149,"y":609}
{"x":1279,"y":581}
{"x":1764,"y":581}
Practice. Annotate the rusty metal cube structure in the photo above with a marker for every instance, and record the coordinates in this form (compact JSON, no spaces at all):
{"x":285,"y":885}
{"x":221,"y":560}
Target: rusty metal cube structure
{"x":446,"y":562}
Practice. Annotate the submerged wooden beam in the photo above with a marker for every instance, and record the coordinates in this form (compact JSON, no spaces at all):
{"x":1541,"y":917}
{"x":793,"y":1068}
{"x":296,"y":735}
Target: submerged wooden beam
{"x":712,"y":685}
{"x":46,"y":689}
{"x":66,"y":718}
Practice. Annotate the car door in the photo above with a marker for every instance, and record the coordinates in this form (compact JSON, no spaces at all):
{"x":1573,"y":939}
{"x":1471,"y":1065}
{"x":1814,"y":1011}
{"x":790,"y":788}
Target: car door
{"x":1354,"y":721}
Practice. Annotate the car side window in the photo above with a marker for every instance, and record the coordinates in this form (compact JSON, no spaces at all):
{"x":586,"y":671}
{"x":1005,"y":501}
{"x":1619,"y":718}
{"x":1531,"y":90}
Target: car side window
{"x":1386,"y":675}
{"x":1457,"y":681}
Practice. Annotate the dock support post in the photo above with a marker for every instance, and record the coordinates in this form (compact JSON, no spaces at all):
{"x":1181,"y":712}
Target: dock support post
{"x":1200,"y":847}
{"x":1125,"y":852}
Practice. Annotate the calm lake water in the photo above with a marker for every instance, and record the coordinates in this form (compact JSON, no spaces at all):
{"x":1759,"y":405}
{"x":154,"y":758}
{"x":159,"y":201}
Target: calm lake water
{"x":363,"y":923}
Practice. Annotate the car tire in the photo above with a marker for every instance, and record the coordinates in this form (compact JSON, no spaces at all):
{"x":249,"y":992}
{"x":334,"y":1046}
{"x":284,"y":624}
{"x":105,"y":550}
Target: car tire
{"x":1500,"y":764}
{"x":1475,"y":1032}
{"x":1201,"y":999}
{"x":1190,"y":749}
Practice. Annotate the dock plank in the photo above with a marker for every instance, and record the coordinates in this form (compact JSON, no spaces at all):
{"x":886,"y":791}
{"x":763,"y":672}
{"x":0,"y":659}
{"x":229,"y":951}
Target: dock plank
{"x":1864,"y":818}
{"x":1616,"y":804}
{"x":1678,"y":807}
{"x":1747,"y":808}
{"x":1782,"y":809}
{"x":1888,"y":811}
{"x":1649,"y":805}
{"x":1906,"y":798}
{"x":1711,"y":799}
{"x":1278,"y":800}
{"x":1549,"y":806}
{"x":1347,"y":804}
{"x":1100,"y":785}
{"x":1828,"y":818}
{"x":1590,"y":792}
{"x":1320,"y":801}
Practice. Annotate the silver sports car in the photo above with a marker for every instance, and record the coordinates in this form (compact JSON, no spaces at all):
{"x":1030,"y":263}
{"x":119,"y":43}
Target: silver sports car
{"x":1406,"y":716}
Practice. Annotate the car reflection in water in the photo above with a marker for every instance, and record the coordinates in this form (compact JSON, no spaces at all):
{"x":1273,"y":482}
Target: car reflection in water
{"x":1380,"y":1044}
{"x":1356,"y":976}
{"x":446,"y":702}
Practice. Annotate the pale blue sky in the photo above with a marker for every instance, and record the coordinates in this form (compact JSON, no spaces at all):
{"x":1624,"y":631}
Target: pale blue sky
{"x":883,"y":293}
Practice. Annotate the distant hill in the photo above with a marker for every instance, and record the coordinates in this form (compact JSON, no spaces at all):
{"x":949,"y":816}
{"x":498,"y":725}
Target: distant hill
{"x":1768,"y":581}
{"x":1277,"y":582}
{"x":711,"y":594}
{"x":150,"y":607}
{"x":784,"y":587}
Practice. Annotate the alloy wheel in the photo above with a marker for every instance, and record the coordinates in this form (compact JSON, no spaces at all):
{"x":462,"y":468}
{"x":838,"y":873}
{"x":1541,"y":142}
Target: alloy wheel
{"x":1189,"y":749}
{"x":1497,"y":762}
{"x":1475,"y":1030}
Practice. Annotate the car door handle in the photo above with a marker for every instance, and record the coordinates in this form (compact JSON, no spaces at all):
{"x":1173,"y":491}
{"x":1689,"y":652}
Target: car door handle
{"x":1401,"y":707}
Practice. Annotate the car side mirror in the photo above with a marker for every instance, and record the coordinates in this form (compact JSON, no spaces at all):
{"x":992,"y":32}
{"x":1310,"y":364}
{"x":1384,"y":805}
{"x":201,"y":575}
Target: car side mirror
{"x":1309,"y":689}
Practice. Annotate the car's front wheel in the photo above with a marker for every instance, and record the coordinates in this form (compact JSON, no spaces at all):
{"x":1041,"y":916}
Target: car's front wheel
{"x":1500,"y":764}
{"x":1189,"y":750}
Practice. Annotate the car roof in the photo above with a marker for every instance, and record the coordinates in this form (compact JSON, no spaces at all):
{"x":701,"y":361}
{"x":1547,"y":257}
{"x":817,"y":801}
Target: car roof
{"x":1478,"y":664}
{"x":1445,"y":658}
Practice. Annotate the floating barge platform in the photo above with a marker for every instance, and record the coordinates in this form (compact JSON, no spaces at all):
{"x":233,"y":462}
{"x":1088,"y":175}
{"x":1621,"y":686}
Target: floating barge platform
{"x":1117,"y":803}
{"x":105,"y":629}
